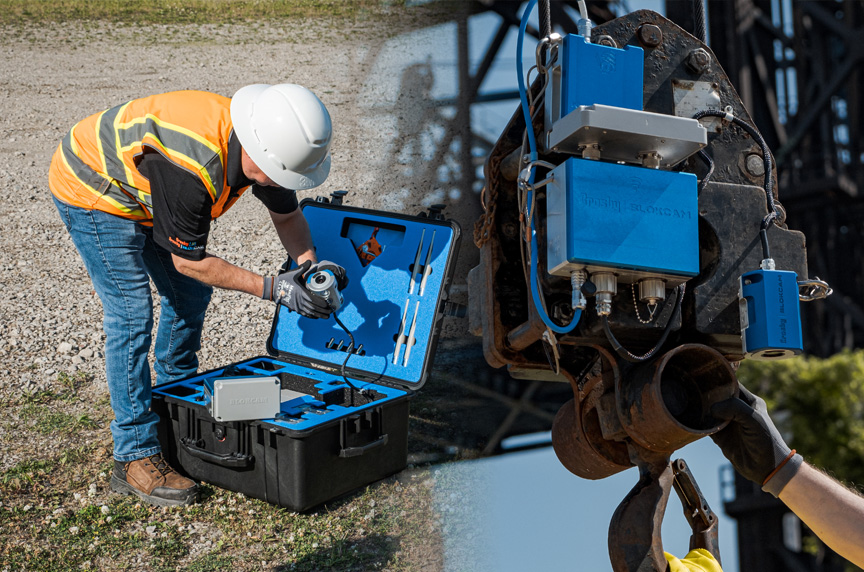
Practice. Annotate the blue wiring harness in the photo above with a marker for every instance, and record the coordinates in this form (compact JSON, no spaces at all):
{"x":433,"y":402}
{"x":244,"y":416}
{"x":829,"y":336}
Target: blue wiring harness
{"x":532,"y":145}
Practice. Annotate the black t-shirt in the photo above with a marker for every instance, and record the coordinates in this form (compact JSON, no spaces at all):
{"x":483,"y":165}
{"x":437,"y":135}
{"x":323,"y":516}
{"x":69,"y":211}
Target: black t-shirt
{"x":181,"y":202}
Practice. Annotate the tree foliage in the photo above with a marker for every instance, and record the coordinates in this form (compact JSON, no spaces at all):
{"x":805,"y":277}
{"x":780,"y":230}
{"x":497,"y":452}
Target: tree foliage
{"x":818,"y":405}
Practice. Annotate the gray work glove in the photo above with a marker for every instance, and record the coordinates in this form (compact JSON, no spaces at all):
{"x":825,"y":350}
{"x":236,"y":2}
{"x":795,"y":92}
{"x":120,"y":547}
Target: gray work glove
{"x":752,"y":443}
{"x":289,"y":289}
{"x":338,"y":272}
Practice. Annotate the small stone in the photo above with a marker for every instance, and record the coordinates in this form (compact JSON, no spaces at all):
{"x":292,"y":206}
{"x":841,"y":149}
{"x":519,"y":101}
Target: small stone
{"x":86,"y":353}
{"x":73,"y":530}
{"x":64,"y":348}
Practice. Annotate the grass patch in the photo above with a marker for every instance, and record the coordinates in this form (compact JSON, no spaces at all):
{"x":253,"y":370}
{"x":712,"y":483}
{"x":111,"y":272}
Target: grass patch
{"x":36,"y":474}
{"x":50,"y":421}
{"x":110,"y":531}
{"x":46,"y":411}
{"x":70,"y":383}
{"x":186,"y":11}
{"x":227,"y":531}
{"x":25,"y":474}
{"x":210,"y":563}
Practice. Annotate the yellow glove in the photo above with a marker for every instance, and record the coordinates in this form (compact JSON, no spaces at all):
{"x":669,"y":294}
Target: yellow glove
{"x":698,"y":560}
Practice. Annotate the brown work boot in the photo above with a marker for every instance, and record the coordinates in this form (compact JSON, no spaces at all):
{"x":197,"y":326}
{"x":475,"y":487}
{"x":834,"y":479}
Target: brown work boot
{"x":154,"y":481}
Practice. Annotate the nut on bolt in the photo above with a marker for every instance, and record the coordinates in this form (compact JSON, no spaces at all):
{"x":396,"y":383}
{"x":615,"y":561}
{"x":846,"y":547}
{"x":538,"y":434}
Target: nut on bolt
{"x":650,"y":35}
{"x":755,"y":165}
{"x":697,"y":61}
{"x":607,"y":41}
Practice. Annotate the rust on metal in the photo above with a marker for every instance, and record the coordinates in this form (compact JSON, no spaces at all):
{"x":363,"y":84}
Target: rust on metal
{"x":576,"y":450}
{"x":702,"y":520}
{"x":634,"y":532}
{"x":666,"y":405}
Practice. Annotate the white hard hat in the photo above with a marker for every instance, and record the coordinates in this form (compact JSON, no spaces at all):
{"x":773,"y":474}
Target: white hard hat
{"x":286,"y":131}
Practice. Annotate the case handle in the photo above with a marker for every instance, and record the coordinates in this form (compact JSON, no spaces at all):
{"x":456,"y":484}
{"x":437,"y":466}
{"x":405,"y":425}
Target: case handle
{"x":372,"y":418}
{"x":357,"y":451}
{"x":232,"y":460}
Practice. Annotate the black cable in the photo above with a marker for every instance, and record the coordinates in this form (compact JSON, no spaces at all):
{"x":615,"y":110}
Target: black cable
{"x":622,"y":351}
{"x":763,"y":236}
{"x":766,"y":153}
{"x":707,"y":158}
{"x":545,"y":15}
{"x":768,"y":185}
{"x":700,"y":29}
{"x":347,"y":357}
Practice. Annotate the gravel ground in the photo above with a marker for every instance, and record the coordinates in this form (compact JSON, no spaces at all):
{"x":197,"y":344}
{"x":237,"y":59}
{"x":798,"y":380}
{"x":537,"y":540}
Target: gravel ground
{"x":57,"y":74}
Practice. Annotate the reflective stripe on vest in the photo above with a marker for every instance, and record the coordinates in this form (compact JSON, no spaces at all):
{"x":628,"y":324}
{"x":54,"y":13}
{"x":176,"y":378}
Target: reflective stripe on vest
{"x":190,"y":129}
{"x":99,"y":184}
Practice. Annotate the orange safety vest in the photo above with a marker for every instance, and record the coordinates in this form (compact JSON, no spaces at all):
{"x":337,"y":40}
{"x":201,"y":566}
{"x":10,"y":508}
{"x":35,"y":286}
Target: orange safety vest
{"x":95,"y":166}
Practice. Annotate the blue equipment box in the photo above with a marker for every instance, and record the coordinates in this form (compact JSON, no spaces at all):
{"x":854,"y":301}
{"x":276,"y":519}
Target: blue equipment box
{"x":327,"y":439}
{"x":629,"y":220}
{"x":594,"y":74}
{"x":770,"y":315}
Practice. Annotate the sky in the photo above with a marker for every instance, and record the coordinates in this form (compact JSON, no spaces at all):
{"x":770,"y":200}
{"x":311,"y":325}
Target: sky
{"x":525,"y":511}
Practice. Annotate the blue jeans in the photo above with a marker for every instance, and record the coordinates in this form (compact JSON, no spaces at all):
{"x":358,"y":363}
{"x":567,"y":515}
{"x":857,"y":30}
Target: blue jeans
{"x":121,"y":257}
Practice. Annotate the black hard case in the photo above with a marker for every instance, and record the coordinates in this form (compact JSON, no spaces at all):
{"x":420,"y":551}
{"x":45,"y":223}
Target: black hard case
{"x":357,"y":444}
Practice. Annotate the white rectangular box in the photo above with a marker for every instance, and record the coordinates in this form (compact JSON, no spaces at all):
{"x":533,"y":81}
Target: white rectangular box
{"x":243,"y":398}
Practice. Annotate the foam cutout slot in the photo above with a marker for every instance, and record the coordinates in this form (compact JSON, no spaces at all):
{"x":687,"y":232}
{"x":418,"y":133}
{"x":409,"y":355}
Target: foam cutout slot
{"x":327,"y":396}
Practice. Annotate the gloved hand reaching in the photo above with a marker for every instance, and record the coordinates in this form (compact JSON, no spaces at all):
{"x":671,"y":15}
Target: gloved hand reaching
{"x":289,"y":289}
{"x":338,"y":272}
{"x":752,"y":443}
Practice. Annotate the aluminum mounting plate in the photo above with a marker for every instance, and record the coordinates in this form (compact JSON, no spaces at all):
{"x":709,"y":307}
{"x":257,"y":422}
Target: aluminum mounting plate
{"x":627,"y":135}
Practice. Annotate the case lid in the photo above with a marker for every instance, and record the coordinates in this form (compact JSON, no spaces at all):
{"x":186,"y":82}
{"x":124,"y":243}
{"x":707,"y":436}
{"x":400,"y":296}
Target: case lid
{"x":381,"y":253}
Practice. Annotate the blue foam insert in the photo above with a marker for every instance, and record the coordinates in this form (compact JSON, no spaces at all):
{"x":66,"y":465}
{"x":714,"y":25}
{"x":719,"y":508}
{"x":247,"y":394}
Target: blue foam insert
{"x":301,"y":413}
{"x":376,"y":295}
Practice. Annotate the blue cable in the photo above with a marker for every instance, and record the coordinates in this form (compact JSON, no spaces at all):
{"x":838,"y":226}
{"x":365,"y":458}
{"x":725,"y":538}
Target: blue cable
{"x":523,"y":96}
{"x":532,"y":146}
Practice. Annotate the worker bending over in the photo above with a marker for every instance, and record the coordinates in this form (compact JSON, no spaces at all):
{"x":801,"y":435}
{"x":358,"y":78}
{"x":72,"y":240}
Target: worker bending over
{"x":137,"y":186}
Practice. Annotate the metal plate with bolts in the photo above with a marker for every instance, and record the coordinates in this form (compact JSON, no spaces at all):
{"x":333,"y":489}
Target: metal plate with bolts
{"x":693,"y":96}
{"x":627,"y":134}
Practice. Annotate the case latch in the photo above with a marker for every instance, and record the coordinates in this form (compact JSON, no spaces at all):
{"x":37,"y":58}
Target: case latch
{"x":336,"y":198}
{"x":434,"y":212}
